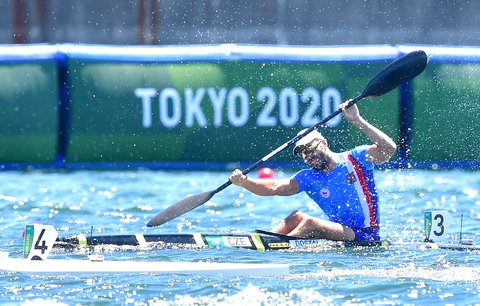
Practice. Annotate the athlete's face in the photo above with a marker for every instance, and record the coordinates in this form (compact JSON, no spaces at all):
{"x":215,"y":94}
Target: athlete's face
{"x":314,"y":154}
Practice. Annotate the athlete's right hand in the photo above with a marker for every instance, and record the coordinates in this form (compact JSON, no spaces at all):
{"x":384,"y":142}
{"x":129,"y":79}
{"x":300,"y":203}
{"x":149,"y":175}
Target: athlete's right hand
{"x":237,"y":177}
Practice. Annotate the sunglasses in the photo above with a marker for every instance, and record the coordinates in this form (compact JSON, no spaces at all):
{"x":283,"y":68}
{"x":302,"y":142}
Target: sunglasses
{"x":310,"y":149}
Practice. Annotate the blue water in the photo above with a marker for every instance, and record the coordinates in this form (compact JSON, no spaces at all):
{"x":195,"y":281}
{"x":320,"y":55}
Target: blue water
{"x":115,"y":202}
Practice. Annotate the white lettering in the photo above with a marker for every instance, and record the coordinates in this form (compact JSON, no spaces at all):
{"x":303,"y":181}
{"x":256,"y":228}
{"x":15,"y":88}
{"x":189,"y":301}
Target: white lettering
{"x":193,"y":109}
{"x":146,"y":94}
{"x":218,"y":100}
{"x":166,"y":95}
{"x":311,"y":97}
{"x":331,"y":100}
{"x":288,"y":106}
{"x":238,"y":94}
{"x":265,"y":117}
{"x":190,"y":108}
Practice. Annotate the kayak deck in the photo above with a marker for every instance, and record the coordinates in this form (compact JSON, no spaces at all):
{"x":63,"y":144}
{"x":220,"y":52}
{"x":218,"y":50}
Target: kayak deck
{"x":258,"y":240}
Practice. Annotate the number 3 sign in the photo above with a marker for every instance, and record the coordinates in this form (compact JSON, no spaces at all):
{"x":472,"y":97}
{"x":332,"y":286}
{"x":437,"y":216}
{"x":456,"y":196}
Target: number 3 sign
{"x":437,"y":224}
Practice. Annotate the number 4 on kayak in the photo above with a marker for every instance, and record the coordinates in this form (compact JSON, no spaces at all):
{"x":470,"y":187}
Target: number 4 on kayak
{"x":38,"y":241}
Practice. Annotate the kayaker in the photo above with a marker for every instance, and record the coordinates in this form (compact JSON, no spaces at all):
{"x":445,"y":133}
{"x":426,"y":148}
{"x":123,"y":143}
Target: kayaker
{"x":342,"y":184}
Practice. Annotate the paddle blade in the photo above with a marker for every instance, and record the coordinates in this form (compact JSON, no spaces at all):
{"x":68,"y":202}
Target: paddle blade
{"x":398,"y":72}
{"x":180,"y":208}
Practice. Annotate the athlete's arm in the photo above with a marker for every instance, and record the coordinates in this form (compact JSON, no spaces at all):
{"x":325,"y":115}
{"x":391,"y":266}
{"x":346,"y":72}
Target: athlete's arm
{"x":265,"y":187}
{"x":383,"y":147}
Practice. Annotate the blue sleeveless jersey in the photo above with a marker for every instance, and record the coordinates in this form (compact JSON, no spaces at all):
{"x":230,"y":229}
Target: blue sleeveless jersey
{"x":347,"y":194}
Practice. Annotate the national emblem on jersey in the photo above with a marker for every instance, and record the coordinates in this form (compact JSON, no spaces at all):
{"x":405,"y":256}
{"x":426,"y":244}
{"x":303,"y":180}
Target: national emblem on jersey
{"x":324,"y":192}
{"x":352,"y":179}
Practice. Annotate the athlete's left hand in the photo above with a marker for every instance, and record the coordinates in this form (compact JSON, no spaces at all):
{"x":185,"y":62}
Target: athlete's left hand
{"x":352,"y":113}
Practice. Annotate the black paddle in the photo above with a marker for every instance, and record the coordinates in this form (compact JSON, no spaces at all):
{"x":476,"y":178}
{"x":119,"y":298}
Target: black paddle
{"x":398,"y":72}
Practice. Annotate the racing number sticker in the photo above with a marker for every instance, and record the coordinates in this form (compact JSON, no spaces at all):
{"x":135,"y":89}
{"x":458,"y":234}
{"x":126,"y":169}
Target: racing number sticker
{"x":437,"y":224}
{"x":38,"y":241}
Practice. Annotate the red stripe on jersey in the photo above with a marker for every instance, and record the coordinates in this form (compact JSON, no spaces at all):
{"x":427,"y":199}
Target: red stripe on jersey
{"x":363,"y":184}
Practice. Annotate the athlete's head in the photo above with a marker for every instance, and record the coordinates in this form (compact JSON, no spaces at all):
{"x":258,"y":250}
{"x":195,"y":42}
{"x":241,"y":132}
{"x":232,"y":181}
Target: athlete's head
{"x":313,"y":149}
{"x":308,"y":140}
